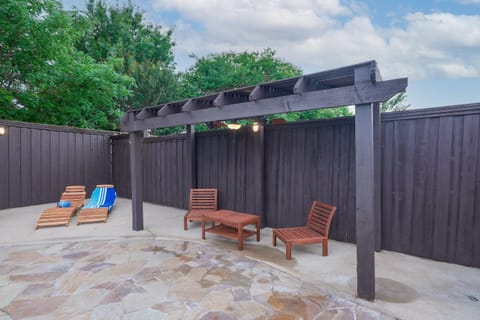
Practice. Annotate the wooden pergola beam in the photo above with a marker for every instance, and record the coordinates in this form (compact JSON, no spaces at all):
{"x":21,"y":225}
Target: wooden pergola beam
{"x":361,"y":93}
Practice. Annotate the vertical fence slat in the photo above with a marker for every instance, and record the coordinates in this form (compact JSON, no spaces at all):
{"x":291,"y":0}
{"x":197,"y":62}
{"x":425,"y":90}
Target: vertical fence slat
{"x":14,"y":171}
{"x":4,"y":169}
{"x":470,"y":151}
{"x":26,"y":167}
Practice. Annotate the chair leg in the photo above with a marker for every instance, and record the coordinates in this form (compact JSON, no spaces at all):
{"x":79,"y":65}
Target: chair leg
{"x":289,"y":250}
{"x":185,"y":223}
{"x":274,"y":239}
{"x":325,"y":247}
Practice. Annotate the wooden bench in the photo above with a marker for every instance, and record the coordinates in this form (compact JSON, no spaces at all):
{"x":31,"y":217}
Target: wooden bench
{"x":316,"y":230}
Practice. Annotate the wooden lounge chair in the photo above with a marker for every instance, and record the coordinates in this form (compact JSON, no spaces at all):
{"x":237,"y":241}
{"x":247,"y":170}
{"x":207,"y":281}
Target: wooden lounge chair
{"x":61,"y":216}
{"x":316,"y":230}
{"x":100,"y":204}
{"x":201,"y":201}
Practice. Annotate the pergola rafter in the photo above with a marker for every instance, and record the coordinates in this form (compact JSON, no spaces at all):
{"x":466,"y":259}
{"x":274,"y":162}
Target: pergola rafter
{"x":360,"y":85}
{"x":318,"y":90}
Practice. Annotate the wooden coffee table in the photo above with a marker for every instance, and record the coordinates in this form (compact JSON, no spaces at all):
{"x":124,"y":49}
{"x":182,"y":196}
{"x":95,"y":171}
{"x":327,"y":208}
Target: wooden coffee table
{"x":231,"y":225}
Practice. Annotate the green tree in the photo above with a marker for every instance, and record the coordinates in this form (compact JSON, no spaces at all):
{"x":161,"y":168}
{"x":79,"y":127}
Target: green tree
{"x":45,"y":79}
{"x":396,"y":103}
{"x":145,"y":50}
{"x":218,"y":72}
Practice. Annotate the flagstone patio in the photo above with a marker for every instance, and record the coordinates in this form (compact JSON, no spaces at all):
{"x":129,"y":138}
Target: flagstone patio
{"x":156,"y":279}
{"x":108,"y":271}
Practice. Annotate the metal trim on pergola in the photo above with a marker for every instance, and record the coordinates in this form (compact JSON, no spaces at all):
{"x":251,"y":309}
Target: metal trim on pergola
{"x":360,"y":85}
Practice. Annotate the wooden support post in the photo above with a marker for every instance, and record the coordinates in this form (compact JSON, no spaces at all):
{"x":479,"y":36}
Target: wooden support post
{"x":377,"y":172}
{"x":365,"y":201}
{"x":193,"y":154}
{"x":136,"y":172}
{"x":260,"y":150}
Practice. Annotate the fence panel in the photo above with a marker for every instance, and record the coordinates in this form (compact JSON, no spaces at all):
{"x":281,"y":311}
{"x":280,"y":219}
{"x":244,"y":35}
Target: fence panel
{"x":38,"y":161}
{"x":166,"y":168}
{"x":431,"y":184}
{"x":307,"y":162}
{"x":230,"y":161}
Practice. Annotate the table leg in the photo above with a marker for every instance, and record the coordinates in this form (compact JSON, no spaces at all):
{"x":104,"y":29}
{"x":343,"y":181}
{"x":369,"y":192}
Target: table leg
{"x":203,"y":229}
{"x":240,"y":237}
{"x":258,"y":230}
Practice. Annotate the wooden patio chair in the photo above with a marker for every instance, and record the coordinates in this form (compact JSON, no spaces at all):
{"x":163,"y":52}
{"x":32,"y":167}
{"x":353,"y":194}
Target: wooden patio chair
{"x":316,"y":230}
{"x":201,"y":201}
{"x":99,"y":206}
{"x":61,"y":216}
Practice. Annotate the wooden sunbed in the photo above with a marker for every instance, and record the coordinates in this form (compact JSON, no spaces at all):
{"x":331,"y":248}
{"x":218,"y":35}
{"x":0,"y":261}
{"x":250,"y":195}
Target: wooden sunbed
{"x":90,"y":215}
{"x":201,"y":201}
{"x":56,"y":217}
{"x":316,"y":230}
{"x":61,"y":216}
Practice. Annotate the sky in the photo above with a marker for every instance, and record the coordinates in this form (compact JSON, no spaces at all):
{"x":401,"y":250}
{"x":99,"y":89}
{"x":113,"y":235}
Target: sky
{"x":435,"y":43}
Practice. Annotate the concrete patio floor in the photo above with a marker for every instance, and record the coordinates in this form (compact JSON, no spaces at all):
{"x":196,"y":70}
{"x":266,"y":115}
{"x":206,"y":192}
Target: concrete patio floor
{"x":407,"y":287}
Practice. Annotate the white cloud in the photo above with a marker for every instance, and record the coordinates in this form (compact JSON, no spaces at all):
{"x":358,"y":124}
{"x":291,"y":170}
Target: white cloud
{"x":470,"y":1}
{"x":320,"y":34}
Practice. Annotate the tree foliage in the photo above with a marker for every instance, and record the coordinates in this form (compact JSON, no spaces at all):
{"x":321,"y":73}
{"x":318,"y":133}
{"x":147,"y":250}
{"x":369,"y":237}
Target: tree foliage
{"x":144,"y":49}
{"x":218,"y":72}
{"x":396,"y":103}
{"x":44,"y":78}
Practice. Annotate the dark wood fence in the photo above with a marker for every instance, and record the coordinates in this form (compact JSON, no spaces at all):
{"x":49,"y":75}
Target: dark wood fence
{"x":231,"y":161}
{"x":430,"y":173}
{"x":431,"y":184}
{"x":430,"y":176}
{"x":307,"y":162}
{"x":167,"y":169}
{"x":38,"y":161}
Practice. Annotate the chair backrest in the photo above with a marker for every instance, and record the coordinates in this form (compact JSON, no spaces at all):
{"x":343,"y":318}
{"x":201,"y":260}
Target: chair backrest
{"x":75,"y":198}
{"x":104,"y":185}
{"x":320,"y":217}
{"x":203,"y":199}
{"x":103,"y":196}
{"x":110,"y":198}
{"x":75,"y":189}
{"x":75,"y":195}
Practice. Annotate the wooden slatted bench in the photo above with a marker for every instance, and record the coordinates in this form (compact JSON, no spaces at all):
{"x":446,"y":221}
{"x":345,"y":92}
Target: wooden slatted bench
{"x":316,"y":230}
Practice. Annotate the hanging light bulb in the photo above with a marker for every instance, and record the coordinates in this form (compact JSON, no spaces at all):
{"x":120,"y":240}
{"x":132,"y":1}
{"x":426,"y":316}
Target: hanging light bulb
{"x":234,"y":125}
{"x":255,"y":126}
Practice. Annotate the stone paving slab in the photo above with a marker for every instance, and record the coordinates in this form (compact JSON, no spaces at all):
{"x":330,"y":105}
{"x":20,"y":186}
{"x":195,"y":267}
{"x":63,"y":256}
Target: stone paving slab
{"x":155,"y":279}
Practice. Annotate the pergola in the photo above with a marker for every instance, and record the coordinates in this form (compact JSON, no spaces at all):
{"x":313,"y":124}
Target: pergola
{"x":360,"y":85}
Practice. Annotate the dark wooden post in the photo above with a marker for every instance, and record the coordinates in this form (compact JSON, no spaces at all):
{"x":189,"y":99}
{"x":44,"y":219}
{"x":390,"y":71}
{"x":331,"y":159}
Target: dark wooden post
{"x":193,"y":154}
{"x":377,"y":169}
{"x":260,"y":143}
{"x":136,"y":172}
{"x":365,"y":206}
